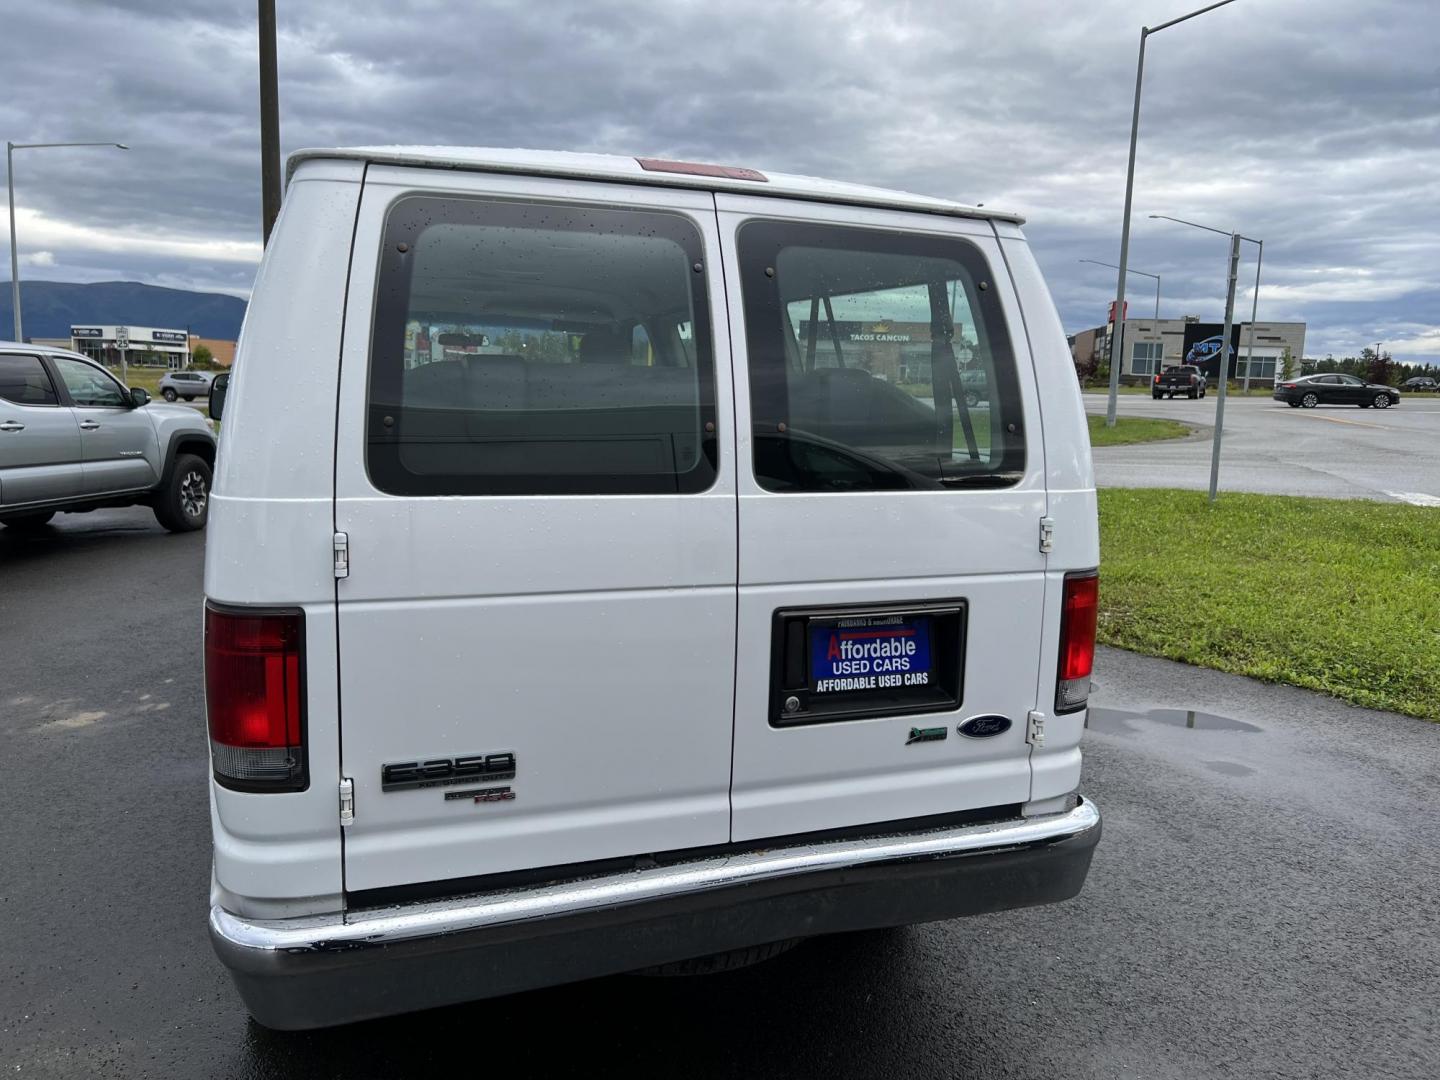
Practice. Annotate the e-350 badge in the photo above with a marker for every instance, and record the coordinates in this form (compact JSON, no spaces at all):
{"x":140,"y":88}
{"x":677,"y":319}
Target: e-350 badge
{"x":447,"y":771}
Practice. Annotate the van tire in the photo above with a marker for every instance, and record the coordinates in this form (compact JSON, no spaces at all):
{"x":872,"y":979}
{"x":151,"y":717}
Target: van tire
{"x":183,"y":502}
{"x":718,"y":963}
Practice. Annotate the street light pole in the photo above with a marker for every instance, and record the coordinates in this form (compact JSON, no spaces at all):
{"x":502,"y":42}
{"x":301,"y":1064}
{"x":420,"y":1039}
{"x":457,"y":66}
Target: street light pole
{"x":1254,"y":306}
{"x":1233,"y":269}
{"x":1255,"y":299}
{"x":1132,"y":270}
{"x":1115,"y":338}
{"x":14,"y":249}
{"x":269,"y":121}
{"x":10,"y":148}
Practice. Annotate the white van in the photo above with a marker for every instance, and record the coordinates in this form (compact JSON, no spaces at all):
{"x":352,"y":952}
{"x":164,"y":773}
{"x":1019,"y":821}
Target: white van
{"x":621,"y":564}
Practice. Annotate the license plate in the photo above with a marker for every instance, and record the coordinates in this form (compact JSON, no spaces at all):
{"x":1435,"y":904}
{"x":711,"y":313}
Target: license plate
{"x":861,"y":653}
{"x":863,"y":661}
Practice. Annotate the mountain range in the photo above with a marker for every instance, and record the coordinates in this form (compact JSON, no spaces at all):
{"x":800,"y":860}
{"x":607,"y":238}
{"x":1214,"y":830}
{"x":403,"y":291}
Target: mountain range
{"x":50,"y":308}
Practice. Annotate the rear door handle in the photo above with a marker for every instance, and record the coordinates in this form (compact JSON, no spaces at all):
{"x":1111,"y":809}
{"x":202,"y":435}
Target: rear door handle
{"x":11,"y":425}
{"x":88,"y":425}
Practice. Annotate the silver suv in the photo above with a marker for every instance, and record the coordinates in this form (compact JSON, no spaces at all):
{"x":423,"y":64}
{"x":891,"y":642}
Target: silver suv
{"x":73,"y":439}
{"x":185,"y":384}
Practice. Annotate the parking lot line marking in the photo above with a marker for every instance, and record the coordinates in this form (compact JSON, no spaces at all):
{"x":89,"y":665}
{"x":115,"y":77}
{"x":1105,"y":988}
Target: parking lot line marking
{"x":1337,"y":420}
{"x":1415,"y":498}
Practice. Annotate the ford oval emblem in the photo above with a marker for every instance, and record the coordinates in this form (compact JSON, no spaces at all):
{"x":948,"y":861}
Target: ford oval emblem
{"x":983,"y":727}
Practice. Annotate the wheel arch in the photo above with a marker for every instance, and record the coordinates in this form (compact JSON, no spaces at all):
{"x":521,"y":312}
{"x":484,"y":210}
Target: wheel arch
{"x":199,"y":443}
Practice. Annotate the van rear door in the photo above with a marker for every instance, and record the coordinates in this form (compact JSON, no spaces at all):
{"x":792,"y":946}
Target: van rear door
{"x":537,"y":628}
{"x":891,"y":583}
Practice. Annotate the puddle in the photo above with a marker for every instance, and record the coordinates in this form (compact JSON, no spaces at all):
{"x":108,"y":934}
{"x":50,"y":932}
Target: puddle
{"x":1120,"y":720}
{"x":1191,"y":719}
{"x":1229,"y":768}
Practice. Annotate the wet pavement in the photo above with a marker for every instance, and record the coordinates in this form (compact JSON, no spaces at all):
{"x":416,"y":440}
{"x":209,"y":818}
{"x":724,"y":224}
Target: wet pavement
{"x":1262,"y":903}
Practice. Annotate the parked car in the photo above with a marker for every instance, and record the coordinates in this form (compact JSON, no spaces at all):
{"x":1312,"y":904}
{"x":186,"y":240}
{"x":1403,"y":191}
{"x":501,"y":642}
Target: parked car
{"x":186,"y":384}
{"x":655,"y":628}
{"x":1420,"y":382}
{"x":72,"y":439}
{"x":976,"y":386}
{"x":1184,"y":379}
{"x":1309,"y":391}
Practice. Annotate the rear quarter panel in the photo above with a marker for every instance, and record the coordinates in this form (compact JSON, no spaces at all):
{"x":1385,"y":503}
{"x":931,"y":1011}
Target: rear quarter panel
{"x":1070,"y":482}
{"x":271,"y":522}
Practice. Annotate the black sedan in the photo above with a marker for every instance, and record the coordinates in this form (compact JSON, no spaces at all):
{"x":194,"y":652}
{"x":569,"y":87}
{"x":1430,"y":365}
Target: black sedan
{"x":1312,"y":390}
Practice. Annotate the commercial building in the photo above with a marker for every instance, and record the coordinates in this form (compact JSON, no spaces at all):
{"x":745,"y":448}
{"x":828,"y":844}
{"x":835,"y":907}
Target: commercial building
{"x":147,"y":344}
{"x":222,"y":352}
{"x":1150,"y":344}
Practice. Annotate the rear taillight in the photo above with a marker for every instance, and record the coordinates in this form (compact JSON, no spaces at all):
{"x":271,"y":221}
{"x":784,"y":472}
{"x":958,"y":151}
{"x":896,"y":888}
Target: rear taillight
{"x":1078,"y":605}
{"x":1157,"y":378}
{"x":254,"y":697}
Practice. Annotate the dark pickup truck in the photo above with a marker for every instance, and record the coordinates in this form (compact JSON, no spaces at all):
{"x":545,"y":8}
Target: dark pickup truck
{"x":1184,"y":379}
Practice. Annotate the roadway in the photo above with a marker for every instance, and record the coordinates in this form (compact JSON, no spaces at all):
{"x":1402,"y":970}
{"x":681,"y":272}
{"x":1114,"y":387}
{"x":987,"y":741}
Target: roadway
{"x":1261,"y":903}
{"x":1392,"y":455}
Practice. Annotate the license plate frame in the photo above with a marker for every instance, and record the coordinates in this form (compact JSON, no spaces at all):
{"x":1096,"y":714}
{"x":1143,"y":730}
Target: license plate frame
{"x":814,"y":648}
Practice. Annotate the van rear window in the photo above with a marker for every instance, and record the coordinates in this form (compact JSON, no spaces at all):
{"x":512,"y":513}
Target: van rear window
{"x":533,"y":348}
{"x":878,"y":361}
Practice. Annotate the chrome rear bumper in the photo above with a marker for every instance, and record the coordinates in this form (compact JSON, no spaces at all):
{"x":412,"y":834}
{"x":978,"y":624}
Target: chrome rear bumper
{"x":315,"y":971}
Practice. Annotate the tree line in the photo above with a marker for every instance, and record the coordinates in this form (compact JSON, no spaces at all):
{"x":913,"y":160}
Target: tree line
{"x":1371,"y":366}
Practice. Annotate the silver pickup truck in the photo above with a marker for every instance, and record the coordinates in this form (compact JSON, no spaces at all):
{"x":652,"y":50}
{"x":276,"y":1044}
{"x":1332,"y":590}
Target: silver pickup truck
{"x":72,"y":439}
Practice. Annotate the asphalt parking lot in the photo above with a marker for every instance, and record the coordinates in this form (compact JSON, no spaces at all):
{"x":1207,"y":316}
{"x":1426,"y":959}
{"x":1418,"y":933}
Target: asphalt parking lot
{"x":1332,"y":452}
{"x":1262,"y":903}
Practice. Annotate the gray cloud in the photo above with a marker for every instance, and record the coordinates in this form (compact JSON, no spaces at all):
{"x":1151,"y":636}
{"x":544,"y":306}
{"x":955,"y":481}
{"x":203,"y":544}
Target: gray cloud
{"x":1315,"y":125}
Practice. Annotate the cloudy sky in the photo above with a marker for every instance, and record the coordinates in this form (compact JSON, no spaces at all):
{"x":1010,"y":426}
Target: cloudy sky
{"x":1314,"y":124}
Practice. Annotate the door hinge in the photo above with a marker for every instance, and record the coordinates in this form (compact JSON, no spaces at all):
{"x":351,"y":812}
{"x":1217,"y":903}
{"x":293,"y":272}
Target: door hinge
{"x":1047,"y":534}
{"x":347,"y":801}
{"x":342,"y":555}
{"x":1035,"y":728}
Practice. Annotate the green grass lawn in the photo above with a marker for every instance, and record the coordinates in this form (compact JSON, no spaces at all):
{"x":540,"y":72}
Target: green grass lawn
{"x":1337,"y":596}
{"x":1134,"y":429}
{"x":147,"y":378}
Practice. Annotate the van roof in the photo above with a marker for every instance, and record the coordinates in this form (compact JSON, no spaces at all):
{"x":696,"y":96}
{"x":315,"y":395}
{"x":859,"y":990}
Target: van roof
{"x":610,"y":167}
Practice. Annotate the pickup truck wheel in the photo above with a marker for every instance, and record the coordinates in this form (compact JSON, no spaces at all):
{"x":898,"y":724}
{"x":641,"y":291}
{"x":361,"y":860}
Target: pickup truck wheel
{"x":30,"y":522}
{"x":1310,"y":400}
{"x":168,"y":394}
{"x":717,"y":963}
{"x":1193,"y":394}
{"x":1157,"y":395}
{"x":184,"y":503}
{"x":1202,"y":391}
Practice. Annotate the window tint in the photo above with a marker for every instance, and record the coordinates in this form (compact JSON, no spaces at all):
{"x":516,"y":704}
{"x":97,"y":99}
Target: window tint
{"x":89,"y":385}
{"x":540,"y":349}
{"x":24,"y":381}
{"x":878,"y":361}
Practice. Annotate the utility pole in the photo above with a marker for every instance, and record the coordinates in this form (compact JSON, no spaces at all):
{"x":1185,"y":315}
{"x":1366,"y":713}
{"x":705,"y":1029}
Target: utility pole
{"x":269,"y":120}
{"x":1234,"y":269}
